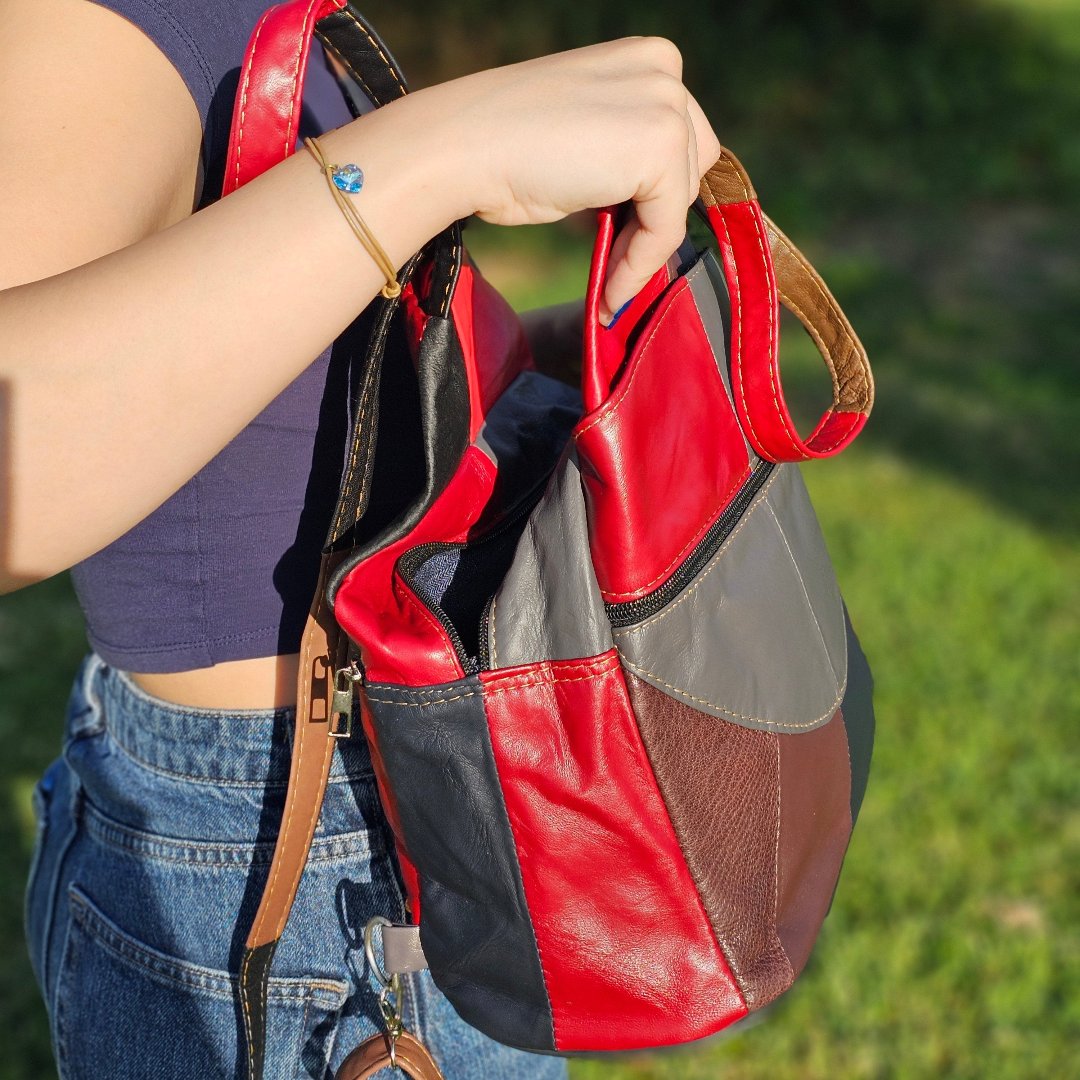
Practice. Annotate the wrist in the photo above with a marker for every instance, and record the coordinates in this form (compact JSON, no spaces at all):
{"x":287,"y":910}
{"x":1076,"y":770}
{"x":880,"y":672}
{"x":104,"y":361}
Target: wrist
{"x":410,"y":189}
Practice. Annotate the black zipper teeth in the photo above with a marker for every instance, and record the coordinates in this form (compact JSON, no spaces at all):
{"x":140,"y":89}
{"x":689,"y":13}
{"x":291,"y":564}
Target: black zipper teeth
{"x":412,"y":559}
{"x":485,"y":620}
{"x":634,"y":611}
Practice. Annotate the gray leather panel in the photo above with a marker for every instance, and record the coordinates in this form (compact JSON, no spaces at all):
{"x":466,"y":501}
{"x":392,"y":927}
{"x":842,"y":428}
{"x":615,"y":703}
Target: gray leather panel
{"x":549,"y":605}
{"x":402,"y":950}
{"x":708,"y":289}
{"x":475,"y":928}
{"x":758,"y":637}
{"x":710,"y":297}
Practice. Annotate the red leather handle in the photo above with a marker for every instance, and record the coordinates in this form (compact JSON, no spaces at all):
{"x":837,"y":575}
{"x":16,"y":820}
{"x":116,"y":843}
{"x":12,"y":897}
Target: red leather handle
{"x":762,"y":268}
{"x":266,"y":115}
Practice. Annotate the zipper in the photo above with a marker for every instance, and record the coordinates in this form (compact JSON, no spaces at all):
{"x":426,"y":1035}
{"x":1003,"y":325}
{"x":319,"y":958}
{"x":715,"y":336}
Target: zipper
{"x":414,"y":558}
{"x":633,"y":611}
{"x":408,"y":564}
{"x":345,"y":680}
{"x":485,"y":620}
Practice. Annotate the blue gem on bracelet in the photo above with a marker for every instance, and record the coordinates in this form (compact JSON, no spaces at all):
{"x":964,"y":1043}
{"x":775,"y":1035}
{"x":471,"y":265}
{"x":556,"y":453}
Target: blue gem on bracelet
{"x":348,"y":178}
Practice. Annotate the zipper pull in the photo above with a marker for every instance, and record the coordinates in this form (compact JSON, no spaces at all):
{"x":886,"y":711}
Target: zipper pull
{"x":345,"y":680}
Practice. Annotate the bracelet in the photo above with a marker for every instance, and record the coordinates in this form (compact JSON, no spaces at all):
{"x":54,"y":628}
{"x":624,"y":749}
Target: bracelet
{"x":349,"y":178}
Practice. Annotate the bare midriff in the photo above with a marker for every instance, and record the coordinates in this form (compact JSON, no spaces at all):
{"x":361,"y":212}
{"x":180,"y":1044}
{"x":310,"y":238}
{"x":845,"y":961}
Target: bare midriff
{"x":263,"y":682}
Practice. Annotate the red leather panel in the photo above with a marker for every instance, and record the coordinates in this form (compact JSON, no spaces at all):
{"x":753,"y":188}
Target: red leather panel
{"x":605,"y":348}
{"x":628,"y":954}
{"x":401,"y":640}
{"x":659,"y":465}
{"x":492,"y":340}
{"x":266,"y":116}
{"x":755,"y":321}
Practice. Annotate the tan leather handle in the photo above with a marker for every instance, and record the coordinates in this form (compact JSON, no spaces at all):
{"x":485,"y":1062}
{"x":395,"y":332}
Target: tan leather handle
{"x":764,"y":268}
{"x":373,"y":1054}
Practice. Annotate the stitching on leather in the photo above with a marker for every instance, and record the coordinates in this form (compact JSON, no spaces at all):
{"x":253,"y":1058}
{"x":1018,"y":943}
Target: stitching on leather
{"x":613,"y":403}
{"x":443,"y":691}
{"x":299,"y":750}
{"x":451,"y":277}
{"x":819,"y":341}
{"x":664,"y":612}
{"x":489,"y":691}
{"x":244,"y":966}
{"x":363,"y":29}
{"x":776,"y":869}
{"x":785,"y":424}
{"x":354,"y":455}
{"x":781,"y":724}
{"x":344,"y":60}
{"x":555,"y":668}
{"x":268,"y":894}
{"x":244,"y":94}
{"x":844,"y":435}
{"x":721,"y":506}
{"x":727,"y":156}
{"x":738,"y":351}
{"x":806,"y":594}
{"x":304,"y":37}
{"x":522,"y":855}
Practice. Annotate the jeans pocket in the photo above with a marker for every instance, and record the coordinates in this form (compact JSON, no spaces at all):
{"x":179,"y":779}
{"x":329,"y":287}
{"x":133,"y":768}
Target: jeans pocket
{"x":187,"y":1017}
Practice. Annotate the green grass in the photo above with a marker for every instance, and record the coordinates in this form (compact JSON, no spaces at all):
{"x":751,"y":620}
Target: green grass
{"x":933,"y":179}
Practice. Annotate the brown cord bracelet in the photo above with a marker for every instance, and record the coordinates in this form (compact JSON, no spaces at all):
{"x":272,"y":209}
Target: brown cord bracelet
{"x":349,"y":179}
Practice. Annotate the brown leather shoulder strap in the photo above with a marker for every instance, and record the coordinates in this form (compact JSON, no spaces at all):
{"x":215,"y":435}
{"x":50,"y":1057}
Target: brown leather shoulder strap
{"x":321,"y":651}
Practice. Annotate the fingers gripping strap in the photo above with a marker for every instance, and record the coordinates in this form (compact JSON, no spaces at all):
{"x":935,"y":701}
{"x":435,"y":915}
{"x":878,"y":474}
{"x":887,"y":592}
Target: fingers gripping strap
{"x":313,"y":747}
{"x":763,"y":268}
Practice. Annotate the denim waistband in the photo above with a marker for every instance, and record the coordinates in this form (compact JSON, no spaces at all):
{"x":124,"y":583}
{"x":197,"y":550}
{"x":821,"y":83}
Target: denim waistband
{"x":229,"y":746}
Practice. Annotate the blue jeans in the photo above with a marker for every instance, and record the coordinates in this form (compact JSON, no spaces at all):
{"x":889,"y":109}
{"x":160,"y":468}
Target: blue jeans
{"x":155,"y":830}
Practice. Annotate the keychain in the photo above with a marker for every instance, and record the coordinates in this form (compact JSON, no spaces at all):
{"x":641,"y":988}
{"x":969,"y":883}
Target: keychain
{"x":395,"y":1047}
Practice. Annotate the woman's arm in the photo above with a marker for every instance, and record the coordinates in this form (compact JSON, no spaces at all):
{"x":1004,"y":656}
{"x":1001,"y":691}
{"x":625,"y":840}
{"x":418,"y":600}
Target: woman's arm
{"x":138,"y":338}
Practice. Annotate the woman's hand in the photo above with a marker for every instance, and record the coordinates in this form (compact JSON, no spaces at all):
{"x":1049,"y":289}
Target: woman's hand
{"x":590,"y":127}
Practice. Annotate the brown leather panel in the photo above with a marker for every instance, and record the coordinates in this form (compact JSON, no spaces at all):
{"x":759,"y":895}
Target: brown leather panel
{"x":815,"y":824}
{"x":807,"y":297}
{"x":720,"y":784}
{"x":726,"y":182}
{"x":373,"y":1054}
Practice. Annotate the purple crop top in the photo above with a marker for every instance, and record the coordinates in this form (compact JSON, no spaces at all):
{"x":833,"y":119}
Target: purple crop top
{"x":225,"y":568}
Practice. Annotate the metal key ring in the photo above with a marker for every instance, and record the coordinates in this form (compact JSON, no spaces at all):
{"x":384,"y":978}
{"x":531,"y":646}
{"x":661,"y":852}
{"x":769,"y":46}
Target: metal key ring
{"x":369,"y":950}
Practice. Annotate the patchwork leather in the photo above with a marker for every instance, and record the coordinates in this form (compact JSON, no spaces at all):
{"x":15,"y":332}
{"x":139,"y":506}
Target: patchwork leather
{"x":619,"y":720}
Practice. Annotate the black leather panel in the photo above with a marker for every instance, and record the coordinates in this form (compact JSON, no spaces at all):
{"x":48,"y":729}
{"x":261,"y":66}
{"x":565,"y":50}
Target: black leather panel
{"x":475,"y":927}
{"x":352,"y":39}
{"x":254,"y":984}
{"x":858,"y":711}
{"x":444,"y":420}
